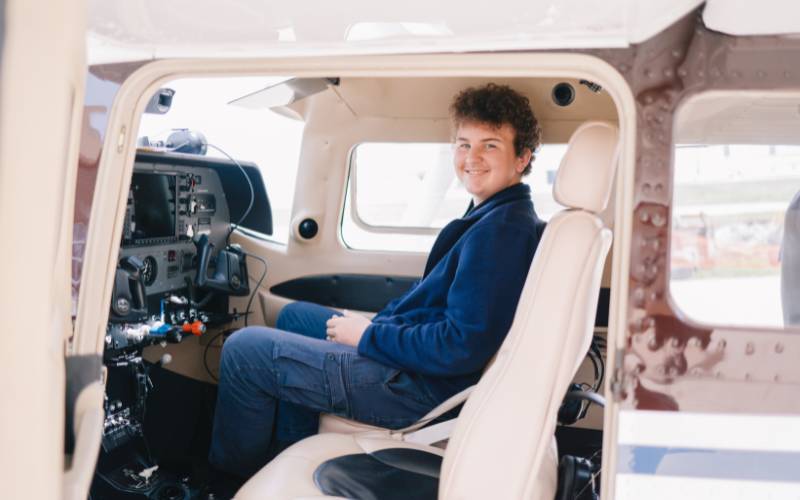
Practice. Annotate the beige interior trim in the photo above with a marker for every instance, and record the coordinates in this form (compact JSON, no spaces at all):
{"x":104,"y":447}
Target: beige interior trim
{"x":419,"y":98}
{"x":42,"y":76}
{"x":622,"y":202}
{"x":89,"y":416}
{"x":187,"y":356}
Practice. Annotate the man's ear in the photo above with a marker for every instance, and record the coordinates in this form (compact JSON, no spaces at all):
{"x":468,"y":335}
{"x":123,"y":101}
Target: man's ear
{"x":523,"y":160}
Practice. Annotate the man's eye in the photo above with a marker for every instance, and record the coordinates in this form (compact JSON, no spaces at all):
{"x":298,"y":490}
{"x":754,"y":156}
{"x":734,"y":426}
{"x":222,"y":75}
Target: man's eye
{"x":491,"y":146}
{"x":463,"y":146}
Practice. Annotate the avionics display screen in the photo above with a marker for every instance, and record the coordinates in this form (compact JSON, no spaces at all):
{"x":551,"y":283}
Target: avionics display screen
{"x":153,"y":205}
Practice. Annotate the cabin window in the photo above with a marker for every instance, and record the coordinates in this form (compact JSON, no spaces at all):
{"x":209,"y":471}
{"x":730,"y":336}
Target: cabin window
{"x":400,"y":195}
{"x":735,"y":234}
{"x":247,"y":133}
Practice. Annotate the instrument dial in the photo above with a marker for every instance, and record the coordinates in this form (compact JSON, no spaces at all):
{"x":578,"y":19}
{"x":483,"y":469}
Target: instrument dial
{"x":149,"y":271}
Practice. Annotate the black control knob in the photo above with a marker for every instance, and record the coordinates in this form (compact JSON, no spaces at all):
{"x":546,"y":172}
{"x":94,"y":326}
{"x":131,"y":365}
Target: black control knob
{"x":308,"y":228}
{"x":174,"y":336}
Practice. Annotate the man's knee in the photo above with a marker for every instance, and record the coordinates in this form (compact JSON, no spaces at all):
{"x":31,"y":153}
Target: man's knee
{"x":248,"y":346}
{"x":287,"y":318}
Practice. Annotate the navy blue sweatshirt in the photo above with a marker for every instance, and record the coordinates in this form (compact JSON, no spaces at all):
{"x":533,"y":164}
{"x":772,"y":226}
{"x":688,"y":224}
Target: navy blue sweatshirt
{"x":447,"y":327}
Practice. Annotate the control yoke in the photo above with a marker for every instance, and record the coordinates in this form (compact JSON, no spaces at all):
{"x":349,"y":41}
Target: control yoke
{"x":128,"y":301}
{"x":230,"y":268}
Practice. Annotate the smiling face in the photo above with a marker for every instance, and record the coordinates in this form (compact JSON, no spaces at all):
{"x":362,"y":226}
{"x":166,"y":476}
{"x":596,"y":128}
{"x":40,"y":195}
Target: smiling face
{"x":485,"y":160}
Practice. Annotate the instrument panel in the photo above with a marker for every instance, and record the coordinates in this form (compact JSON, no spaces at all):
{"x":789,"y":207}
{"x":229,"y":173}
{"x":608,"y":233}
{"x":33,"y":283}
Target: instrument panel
{"x":168,"y":205}
{"x":176,"y":270}
{"x":175,"y":274}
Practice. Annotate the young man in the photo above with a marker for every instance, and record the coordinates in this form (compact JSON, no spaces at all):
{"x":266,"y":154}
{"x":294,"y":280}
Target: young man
{"x":424,"y":346}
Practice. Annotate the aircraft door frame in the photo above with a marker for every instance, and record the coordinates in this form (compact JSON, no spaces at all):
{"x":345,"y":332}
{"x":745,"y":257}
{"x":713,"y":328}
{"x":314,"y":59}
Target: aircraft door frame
{"x":646,"y":422}
{"x":109,"y":148}
{"x":41,"y":92}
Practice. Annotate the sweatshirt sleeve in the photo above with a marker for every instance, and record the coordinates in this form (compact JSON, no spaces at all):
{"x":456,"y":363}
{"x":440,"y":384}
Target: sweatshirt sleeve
{"x":389,"y":307}
{"x":481,"y":302}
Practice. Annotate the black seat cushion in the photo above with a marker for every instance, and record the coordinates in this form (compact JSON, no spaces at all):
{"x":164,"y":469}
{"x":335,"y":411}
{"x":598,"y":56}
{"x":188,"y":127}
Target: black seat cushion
{"x":394,"y":473}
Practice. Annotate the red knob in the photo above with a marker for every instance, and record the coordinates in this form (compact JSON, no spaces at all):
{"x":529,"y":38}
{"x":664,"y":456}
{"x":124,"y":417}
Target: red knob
{"x":198,"y":328}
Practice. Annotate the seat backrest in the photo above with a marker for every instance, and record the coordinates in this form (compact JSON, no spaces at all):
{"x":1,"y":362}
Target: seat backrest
{"x":790,"y":263}
{"x":505,"y":430}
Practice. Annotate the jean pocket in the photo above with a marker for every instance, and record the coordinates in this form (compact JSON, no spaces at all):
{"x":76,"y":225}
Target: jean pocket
{"x":300,"y":368}
{"x":407,"y":386}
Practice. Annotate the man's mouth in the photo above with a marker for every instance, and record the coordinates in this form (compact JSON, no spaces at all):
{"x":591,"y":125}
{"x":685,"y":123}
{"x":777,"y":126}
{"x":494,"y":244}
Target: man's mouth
{"x":474,"y":171}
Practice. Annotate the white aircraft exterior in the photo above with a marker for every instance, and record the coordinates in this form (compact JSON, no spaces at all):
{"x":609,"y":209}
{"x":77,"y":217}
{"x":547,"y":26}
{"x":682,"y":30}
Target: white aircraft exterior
{"x":722,"y":424}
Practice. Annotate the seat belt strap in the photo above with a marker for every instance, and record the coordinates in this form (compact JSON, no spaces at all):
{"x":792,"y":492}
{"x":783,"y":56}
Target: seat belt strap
{"x":431,"y":434}
{"x":446,"y":405}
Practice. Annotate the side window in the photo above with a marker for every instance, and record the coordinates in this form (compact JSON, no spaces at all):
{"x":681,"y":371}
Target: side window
{"x":269,"y":140}
{"x":400,"y":195}
{"x":735,"y":241}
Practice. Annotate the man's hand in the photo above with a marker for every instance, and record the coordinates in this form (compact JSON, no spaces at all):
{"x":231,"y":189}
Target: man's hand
{"x":347,"y":329}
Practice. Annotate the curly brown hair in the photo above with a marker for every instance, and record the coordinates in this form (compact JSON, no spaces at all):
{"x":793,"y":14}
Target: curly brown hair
{"x":496,"y":105}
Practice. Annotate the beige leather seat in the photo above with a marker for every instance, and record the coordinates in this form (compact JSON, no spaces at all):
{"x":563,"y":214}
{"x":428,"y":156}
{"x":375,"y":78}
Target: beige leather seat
{"x":502,"y":445}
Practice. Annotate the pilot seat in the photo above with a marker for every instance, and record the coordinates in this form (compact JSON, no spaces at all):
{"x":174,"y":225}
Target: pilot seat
{"x":502,"y":444}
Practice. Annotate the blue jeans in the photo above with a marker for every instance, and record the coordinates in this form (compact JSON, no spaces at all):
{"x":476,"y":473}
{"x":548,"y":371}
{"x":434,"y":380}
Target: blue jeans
{"x":274,"y":383}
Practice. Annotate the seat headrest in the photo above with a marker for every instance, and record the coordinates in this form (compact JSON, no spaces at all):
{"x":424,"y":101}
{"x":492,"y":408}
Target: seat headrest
{"x":587,"y":169}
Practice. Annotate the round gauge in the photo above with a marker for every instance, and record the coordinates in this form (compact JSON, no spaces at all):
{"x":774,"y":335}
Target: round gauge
{"x":149,"y":271}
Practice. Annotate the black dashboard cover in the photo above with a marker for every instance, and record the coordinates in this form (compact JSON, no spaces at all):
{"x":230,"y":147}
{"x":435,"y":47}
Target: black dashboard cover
{"x":390,"y":474}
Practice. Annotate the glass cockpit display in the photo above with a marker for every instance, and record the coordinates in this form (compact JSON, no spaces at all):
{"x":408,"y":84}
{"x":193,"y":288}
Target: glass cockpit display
{"x":154,"y":206}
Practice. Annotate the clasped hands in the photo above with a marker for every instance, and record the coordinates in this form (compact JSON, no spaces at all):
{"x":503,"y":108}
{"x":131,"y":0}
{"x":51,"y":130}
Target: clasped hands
{"x":347,"y":329}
